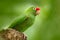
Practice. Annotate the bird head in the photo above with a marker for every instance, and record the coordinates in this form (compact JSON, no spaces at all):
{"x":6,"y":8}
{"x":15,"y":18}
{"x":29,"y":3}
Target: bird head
{"x":33,"y":11}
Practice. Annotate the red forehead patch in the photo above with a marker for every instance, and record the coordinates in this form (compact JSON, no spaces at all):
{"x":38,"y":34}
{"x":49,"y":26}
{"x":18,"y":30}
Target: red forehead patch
{"x":37,"y":8}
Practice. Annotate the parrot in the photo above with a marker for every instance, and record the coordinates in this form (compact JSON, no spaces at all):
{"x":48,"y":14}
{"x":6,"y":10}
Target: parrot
{"x":27,"y":20}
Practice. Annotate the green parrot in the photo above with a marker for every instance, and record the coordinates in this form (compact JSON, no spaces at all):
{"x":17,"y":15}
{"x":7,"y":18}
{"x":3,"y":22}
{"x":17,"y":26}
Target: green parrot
{"x":27,"y":20}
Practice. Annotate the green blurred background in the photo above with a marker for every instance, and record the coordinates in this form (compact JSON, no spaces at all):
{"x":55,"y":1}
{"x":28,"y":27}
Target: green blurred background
{"x":46,"y":25}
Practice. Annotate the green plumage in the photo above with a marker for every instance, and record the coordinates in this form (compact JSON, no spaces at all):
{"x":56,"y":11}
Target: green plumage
{"x":28,"y":20}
